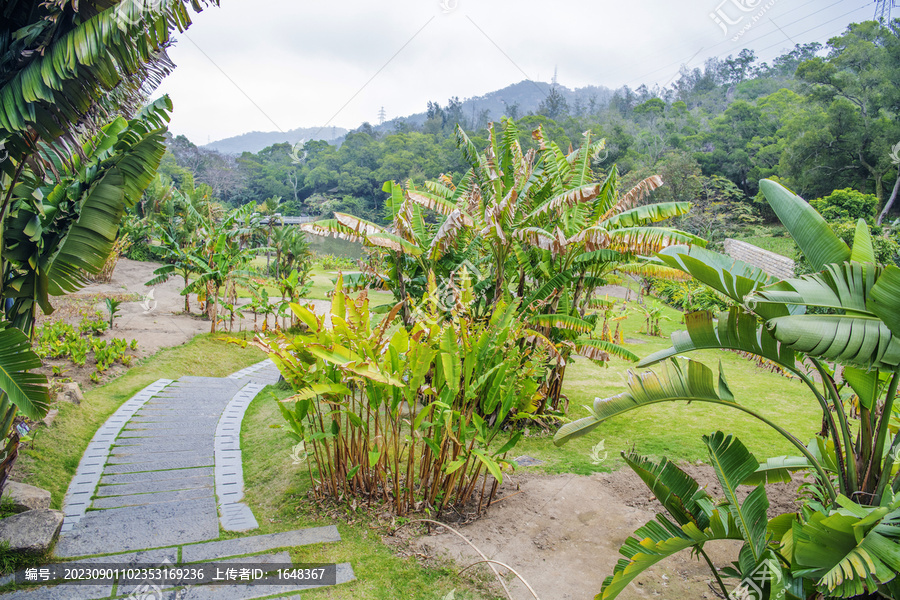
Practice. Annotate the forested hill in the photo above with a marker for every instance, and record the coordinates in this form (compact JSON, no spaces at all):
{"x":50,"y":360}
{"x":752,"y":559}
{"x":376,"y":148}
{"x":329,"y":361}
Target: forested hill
{"x":259,"y":140}
{"x":817,"y":118}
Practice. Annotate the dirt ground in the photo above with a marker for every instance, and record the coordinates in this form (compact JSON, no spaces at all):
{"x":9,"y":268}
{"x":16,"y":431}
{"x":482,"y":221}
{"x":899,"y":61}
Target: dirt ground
{"x":153,"y":315}
{"x":562,"y":533}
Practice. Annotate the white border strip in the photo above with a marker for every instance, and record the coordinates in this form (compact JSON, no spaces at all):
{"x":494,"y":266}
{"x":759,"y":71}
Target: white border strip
{"x":90,"y":469}
{"x":229,"y":470}
{"x":249,"y":371}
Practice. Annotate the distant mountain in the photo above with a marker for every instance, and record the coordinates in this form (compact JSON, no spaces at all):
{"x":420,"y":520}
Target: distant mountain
{"x":258,"y":140}
{"x":525,"y":96}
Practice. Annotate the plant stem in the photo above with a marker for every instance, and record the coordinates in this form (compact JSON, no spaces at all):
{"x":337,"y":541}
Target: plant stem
{"x":715,"y":572}
{"x":887,"y":410}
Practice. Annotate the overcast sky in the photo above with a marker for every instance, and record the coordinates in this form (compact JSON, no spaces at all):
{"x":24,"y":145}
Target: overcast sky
{"x":267,"y":65}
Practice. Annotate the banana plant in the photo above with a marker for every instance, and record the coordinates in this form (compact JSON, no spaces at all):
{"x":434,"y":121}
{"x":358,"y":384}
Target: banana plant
{"x":696,"y":520}
{"x":855,"y":326}
{"x":494,"y":220}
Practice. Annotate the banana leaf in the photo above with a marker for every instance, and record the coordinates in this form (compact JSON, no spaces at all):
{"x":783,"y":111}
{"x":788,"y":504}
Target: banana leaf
{"x":814,"y":237}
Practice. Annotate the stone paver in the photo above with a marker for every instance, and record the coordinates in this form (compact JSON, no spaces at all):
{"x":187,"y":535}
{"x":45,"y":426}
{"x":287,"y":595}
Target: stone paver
{"x":210,"y":551}
{"x":157,"y":480}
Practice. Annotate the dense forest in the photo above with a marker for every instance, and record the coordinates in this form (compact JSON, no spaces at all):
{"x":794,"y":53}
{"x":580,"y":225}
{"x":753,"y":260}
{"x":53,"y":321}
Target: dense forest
{"x":818,"y":118}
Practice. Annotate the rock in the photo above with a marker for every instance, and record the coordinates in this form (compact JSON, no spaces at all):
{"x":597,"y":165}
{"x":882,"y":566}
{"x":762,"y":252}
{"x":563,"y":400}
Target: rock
{"x":23,"y":497}
{"x":31,"y":532}
{"x":51,"y":416}
{"x":71,"y":393}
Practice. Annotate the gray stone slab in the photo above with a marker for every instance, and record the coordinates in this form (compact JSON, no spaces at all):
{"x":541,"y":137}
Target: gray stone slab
{"x":157,"y":475}
{"x":154,"y":446}
{"x":62,"y":592}
{"x":141,"y":515}
{"x":259,"y":543}
{"x":151,"y":487}
{"x":201,"y":459}
{"x":158,"y":465}
{"x":83,"y":541}
{"x":143,"y":499}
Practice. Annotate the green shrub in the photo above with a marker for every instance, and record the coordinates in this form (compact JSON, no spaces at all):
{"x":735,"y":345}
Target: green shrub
{"x":689,"y":296}
{"x":847,"y":205}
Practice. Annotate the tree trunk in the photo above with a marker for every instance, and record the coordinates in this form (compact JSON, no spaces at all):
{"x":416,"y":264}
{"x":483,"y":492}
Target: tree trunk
{"x":890,"y":203}
{"x":187,"y":296}
{"x":212,"y":304}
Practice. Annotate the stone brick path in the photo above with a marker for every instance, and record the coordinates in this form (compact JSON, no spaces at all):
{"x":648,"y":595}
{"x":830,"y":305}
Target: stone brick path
{"x":158,"y":482}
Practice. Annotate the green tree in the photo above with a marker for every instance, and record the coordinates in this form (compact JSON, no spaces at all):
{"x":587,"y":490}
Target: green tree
{"x":855,"y":88}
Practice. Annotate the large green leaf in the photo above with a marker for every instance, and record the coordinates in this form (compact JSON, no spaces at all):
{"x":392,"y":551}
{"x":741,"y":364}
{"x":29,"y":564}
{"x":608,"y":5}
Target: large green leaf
{"x":561,"y":322}
{"x":650,"y":213}
{"x":816,"y":240}
{"x":842,"y":286}
{"x":850,"y":552}
{"x":733,"y":330}
{"x":734,"y":278}
{"x":678,"y":492}
{"x":28,"y":391}
{"x":590,"y":348}
{"x":660,"y":539}
{"x":686,"y":380}
{"x":884,"y":299}
{"x":89,"y":241}
{"x":777,"y":470}
{"x":734,"y":464}
{"x":862,"y":341}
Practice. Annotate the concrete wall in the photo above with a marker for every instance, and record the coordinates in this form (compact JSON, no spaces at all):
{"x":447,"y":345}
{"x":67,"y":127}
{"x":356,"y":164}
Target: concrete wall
{"x":773,"y":264}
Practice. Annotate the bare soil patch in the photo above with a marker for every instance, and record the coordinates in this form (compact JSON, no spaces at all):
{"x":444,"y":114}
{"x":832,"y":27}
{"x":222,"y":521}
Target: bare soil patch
{"x":562,"y":533}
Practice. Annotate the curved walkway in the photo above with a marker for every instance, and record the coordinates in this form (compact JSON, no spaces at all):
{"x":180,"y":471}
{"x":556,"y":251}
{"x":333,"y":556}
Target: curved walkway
{"x":163,"y":475}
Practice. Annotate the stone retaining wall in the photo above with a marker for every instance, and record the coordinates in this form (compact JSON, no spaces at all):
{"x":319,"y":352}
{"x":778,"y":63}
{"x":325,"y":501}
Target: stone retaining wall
{"x":775,"y":265}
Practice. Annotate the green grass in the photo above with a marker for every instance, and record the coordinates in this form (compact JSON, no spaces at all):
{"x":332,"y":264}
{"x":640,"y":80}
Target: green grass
{"x":276,"y":490}
{"x":51,"y":461}
{"x":670,"y":429}
{"x":782,"y":243}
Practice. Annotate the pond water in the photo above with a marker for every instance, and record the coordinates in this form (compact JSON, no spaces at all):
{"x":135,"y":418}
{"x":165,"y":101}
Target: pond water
{"x":329,"y":245}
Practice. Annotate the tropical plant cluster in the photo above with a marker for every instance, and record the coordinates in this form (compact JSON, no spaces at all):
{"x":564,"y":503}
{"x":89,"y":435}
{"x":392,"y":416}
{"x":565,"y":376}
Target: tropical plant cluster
{"x":539,"y":228}
{"x":417,"y":418}
{"x":844,"y":541}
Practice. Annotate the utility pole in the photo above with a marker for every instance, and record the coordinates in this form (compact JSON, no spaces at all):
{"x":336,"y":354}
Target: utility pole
{"x":382,"y":116}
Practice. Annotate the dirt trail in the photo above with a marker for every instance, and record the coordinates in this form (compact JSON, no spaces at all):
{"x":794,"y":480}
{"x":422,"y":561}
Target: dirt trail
{"x":562,"y":533}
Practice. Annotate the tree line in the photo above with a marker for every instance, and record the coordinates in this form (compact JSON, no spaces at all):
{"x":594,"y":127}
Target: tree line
{"x":818,"y":118}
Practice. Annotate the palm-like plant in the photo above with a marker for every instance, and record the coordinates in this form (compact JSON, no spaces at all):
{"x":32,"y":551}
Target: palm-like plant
{"x":539,"y":228}
{"x":66,"y":66}
{"x":857,"y":326}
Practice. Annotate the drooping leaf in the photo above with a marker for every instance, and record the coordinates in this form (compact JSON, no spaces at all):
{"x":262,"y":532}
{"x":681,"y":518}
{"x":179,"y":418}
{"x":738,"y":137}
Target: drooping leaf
{"x":732,"y":330}
{"x":685,"y":380}
{"x":815,"y":238}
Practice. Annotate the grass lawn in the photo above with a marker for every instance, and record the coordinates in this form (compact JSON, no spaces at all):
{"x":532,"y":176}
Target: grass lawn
{"x":782,"y":244}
